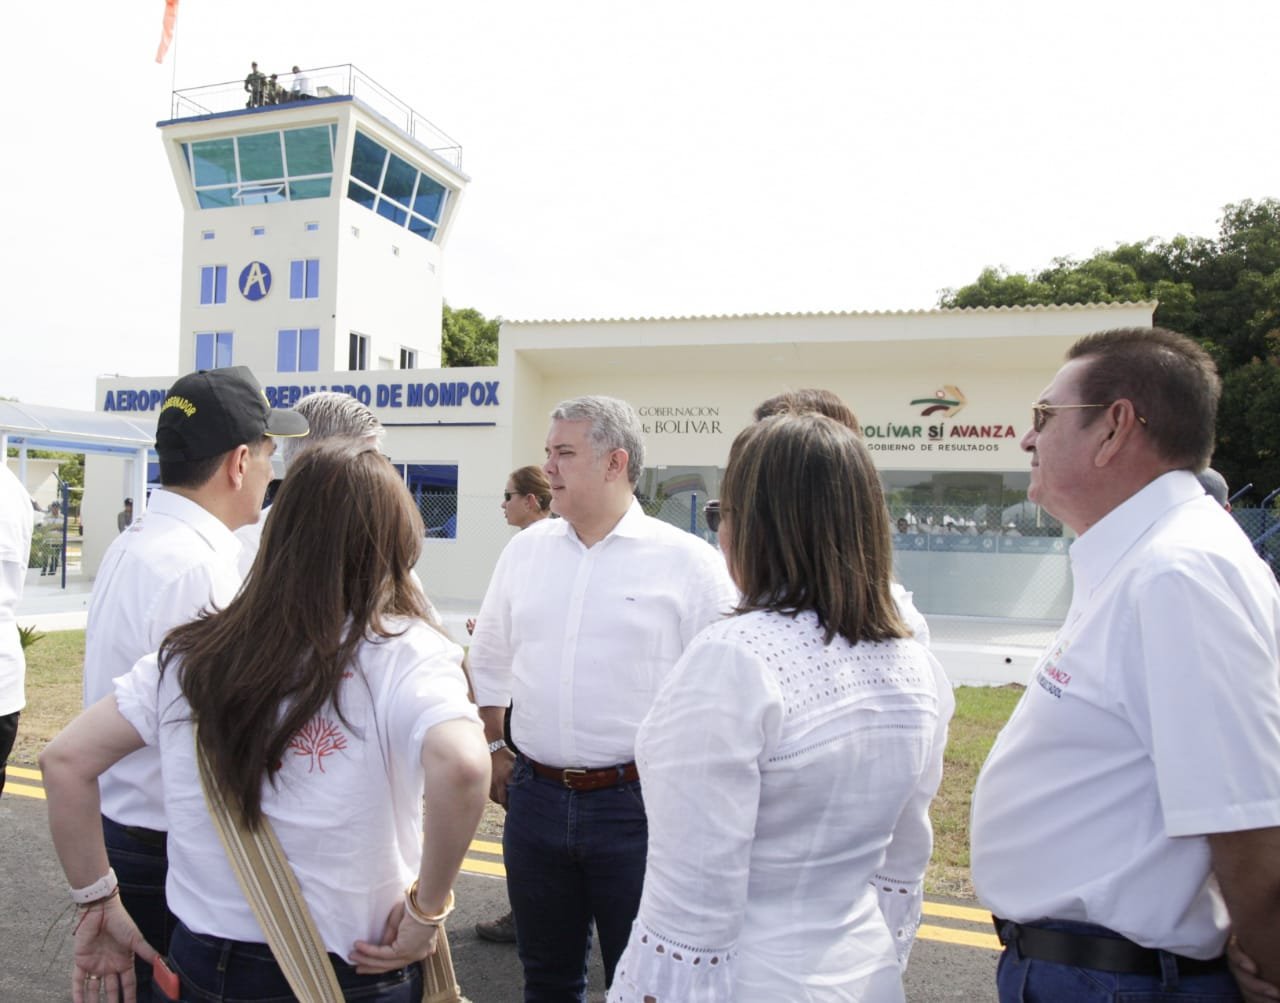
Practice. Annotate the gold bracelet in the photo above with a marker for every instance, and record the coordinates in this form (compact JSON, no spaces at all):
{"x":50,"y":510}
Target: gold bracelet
{"x":417,"y":915}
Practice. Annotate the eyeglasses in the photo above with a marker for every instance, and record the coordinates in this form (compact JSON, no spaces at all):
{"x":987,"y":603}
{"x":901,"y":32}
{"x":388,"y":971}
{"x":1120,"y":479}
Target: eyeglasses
{"x":712,"y":512}
{"x":508,"y":495}
{"x":1041,"y":411}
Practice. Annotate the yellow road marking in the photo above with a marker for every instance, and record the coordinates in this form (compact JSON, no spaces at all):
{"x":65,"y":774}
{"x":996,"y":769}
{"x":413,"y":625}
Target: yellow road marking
{"x":494,"y":868}
{"x":948,"y":911}
{"x":473,"y":866}
{"x":966,"y":938}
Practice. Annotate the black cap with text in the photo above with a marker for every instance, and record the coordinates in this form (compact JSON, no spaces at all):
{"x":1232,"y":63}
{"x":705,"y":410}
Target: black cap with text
{"x":209,"y":413}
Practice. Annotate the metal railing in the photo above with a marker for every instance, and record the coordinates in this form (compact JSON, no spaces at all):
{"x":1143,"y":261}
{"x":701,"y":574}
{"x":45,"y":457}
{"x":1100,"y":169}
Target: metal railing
{"x":344,"y":79}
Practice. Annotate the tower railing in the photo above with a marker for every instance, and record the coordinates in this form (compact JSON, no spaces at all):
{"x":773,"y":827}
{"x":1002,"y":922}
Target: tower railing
{"x":342,"y":80}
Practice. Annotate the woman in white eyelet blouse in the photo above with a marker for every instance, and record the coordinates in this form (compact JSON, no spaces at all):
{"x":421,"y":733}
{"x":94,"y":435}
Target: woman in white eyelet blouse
{"x":789,"y":746}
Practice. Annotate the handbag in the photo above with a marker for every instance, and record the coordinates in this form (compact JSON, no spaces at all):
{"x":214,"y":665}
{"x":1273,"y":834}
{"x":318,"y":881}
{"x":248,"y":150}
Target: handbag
{"x":271,"y":888}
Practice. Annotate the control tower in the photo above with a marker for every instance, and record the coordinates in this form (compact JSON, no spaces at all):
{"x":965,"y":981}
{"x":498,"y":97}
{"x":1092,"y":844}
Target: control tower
{"x":313,"y":226}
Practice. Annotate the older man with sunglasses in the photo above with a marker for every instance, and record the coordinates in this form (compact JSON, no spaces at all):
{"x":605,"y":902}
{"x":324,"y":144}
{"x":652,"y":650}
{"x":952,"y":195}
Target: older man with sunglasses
{"x":1127,"y":821}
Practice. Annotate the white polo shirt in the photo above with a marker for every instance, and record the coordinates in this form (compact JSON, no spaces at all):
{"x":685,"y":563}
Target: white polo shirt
{"x":346,"y":803}
{"x":1152,"y":721}
{"x":580,"y":639}
{"x":174,"y":561}
{"x":16,"y":522}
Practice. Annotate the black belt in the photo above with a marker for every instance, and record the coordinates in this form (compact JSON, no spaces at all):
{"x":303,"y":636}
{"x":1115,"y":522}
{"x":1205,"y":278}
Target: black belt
{"x":588,"y":780}
{"x":1105,"y":954}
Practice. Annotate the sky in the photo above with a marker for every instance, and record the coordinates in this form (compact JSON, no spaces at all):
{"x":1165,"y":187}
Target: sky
{"x":672,"y":158}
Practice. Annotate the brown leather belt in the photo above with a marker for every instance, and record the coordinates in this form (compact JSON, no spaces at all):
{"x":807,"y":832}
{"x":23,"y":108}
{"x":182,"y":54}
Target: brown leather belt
{"x":588,"y":780}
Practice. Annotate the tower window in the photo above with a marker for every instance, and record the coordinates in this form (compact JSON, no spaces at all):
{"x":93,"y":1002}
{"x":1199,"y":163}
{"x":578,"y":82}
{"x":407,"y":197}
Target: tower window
{"x":298,"y":350}
{"x":358,"y":352}
{"x":213,"y":349}
{"x":213,"y":285}
{"x":304,"y":279}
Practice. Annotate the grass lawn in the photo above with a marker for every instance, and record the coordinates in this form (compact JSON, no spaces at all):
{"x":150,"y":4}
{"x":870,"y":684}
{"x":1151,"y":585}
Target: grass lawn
{"x":981,"y":711}
{"x":54,"y":667}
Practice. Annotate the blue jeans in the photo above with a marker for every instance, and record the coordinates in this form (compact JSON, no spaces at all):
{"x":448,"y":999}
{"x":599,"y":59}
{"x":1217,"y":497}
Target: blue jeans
{"x":1025,"y":980}
{"x":141,"y":865}
{"x":572,"y":857}
{"x":214,"y":970}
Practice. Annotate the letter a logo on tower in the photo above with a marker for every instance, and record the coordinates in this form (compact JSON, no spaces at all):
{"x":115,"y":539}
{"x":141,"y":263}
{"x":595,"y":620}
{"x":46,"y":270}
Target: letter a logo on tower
{"x":255,"y":281}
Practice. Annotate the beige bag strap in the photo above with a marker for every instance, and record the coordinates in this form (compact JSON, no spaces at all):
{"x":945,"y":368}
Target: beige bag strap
{"x":268,"y":882}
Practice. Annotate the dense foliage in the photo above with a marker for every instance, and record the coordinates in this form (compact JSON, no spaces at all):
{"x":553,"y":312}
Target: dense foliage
{"x":1224,"y":291}
{"x":468,"y":339}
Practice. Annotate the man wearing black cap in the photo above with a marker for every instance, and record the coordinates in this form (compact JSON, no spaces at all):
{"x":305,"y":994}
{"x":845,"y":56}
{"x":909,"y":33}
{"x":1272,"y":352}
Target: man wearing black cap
{"x":214,"y":436}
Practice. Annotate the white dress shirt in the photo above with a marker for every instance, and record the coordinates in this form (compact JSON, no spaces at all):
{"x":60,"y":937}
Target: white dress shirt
{"x":579,"y":639}
{"x":346,"y":804}
{"x":776,"y":770}
{"x":174,"y":561}
{"x":1152,"y":721}
{"x":16,"y":522}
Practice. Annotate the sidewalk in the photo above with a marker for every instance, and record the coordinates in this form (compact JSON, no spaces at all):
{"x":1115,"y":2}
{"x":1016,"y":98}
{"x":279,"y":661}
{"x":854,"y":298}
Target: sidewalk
{"x":975,"y":651}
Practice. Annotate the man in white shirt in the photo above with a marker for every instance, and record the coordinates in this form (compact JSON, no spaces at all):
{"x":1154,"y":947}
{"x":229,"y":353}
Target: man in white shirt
{"x":16,"y":525}
{"x":1128,"y":818}
{"x":214,"y":436}
{"x":583,"y":619}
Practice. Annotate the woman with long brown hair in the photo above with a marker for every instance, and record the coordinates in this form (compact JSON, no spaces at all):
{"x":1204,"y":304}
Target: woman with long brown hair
{"x":788,"y":744}
{"x":325,"y":705}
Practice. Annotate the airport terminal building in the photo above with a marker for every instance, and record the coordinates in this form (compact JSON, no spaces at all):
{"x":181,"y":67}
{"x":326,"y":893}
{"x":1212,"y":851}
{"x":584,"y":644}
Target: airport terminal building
{"x":313,"y":250}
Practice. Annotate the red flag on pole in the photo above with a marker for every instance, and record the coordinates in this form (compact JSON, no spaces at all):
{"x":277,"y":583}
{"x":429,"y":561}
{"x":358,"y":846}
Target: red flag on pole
{"x":166,"y":32}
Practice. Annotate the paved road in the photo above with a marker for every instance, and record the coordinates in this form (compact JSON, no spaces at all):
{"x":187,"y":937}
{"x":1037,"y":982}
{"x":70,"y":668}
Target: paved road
{"x":954,"y":959}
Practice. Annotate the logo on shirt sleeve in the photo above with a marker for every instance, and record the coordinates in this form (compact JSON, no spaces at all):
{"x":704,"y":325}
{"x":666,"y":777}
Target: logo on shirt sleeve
{"x":1052,"y":679}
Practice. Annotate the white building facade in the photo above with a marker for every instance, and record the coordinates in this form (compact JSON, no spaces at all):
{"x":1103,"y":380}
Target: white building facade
{"x":313,"y":245}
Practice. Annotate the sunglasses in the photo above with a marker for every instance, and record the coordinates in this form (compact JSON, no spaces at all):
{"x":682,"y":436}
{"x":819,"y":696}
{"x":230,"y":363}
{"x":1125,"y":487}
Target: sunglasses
{"x":508,"y":495}
{"x":1040,"y":413}
{"x":712,"y":513}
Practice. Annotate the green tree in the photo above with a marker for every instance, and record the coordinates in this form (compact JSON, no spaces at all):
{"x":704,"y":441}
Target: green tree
{"x":468,"y":339}
{"x":1223,"y":291}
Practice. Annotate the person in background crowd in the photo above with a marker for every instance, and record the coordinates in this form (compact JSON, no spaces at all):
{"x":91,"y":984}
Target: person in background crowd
{"x":215,"y":435}
{"x":17,"y":524}
{"x":583,"y":619}
{"x":51,"y":539}
{"x":254,"y":84}
{"x":788,"y":745}
{"x":124,"y":518}
{"x":325,"y":708}
{"x":525,"y":500}
{"x":1127,"y":820}
{"x":300,"y":87}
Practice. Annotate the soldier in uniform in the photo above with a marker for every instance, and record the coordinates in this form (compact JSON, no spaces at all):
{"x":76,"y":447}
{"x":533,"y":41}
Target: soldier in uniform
{"x":253,"y":85}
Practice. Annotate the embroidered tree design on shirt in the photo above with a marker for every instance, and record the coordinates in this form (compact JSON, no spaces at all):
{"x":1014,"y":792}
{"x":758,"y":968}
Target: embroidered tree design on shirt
{"x":318,"y":738}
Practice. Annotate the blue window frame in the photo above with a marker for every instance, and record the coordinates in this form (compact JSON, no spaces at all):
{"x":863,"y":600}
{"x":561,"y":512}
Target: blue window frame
{"x":395,"y":189}
{"x":298,"y":350}
{"x":304,"y":279}
{"x":213,"y":349}
{"x":213,"y":285}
